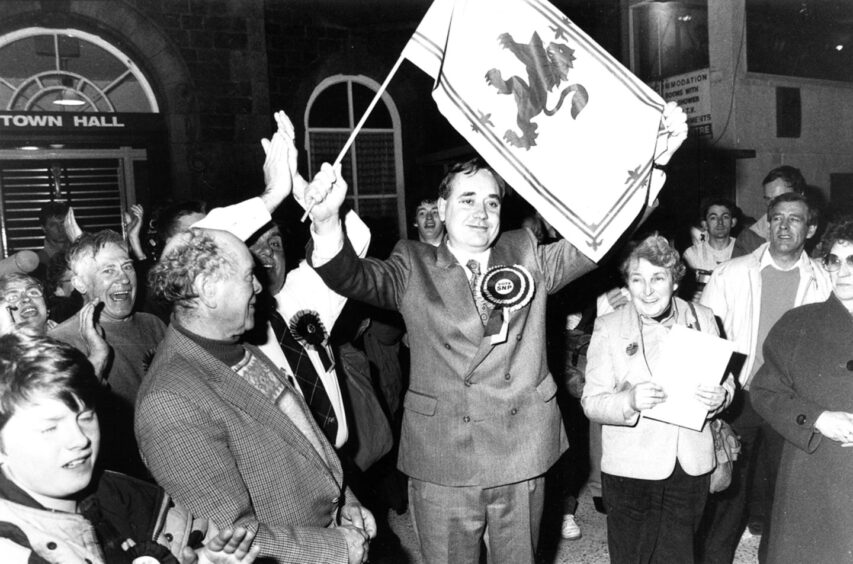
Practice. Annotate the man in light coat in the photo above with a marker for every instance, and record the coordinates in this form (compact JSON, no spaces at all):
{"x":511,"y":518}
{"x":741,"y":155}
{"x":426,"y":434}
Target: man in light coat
{"x":749,"y":294}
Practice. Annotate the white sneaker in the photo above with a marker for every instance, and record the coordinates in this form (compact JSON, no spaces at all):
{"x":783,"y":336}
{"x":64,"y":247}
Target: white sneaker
{"x":570,"y":529}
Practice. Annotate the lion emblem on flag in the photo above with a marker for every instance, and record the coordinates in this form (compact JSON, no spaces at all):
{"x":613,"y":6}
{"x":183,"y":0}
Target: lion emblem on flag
{"x":547,"y":68}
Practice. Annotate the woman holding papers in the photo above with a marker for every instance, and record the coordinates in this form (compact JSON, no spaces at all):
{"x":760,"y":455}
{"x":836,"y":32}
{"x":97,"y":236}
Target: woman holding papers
{"x":805,"y":391}
{"x":655,"y":475}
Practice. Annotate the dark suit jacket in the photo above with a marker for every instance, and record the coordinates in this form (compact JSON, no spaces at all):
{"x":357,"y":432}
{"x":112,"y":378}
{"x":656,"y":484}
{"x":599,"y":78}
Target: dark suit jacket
{"x":226,"y":452}
{"x":475,"y":413}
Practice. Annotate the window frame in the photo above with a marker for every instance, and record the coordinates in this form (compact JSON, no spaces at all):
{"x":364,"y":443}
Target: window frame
{"x":78,"y":80}
{"x":353,"y":120}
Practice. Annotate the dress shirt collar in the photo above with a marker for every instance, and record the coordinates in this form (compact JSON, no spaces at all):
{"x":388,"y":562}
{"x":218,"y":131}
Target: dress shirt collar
{"x":462,"y":257}
{"x":767,"y":260}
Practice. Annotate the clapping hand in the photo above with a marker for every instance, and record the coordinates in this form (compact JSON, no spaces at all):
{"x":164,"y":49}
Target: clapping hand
{"x":133,"y":228}
{"x":93,"y":335}
{"x":229,"y":546}
{"x":280,"y":163}
{"x":72,"y":229}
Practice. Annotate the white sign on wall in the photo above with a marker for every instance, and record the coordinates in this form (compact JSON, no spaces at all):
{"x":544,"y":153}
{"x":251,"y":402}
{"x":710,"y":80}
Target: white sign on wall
{"x":692,"y":91}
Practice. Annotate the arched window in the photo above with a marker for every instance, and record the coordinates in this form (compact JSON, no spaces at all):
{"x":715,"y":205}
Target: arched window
{"x":66,"y":70}
{"x":373,"y":166}
{"x":44,"y":70}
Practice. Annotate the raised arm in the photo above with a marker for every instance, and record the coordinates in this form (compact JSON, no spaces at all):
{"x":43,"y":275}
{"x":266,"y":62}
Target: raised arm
{"x":246,"y":217}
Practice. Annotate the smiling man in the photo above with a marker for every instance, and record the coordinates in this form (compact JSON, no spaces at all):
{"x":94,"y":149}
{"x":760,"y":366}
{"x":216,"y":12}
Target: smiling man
{"x":749,"y":294}
{"x":428,"y":223}
{"x":103,"y":270}
{"x":300,"y":294}
{"x":481,"y":424}
{"x":267,"y":465}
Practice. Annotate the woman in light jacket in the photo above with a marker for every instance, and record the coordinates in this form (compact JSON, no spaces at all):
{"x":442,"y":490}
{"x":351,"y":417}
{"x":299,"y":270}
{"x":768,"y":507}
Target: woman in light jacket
{"x":655,"y":475}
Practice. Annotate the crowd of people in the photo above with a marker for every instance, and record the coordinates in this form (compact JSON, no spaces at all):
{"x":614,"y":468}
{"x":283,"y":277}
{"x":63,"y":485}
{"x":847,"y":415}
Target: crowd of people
{"x":202,"y":400}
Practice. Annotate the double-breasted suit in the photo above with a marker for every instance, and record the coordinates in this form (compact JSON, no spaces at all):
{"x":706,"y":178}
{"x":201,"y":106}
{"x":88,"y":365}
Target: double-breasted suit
{"x":223,"y":449}
{"x":475,"y":414}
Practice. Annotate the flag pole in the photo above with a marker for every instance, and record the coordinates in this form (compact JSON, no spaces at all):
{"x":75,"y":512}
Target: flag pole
{"x":360,"y":124}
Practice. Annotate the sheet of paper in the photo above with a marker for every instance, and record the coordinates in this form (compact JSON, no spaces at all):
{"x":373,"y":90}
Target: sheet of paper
{"x":688,"y":358}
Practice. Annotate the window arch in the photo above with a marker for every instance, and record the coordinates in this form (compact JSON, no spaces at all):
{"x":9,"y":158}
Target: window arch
{"x":44,"y":69}
{"x":373,"y":165}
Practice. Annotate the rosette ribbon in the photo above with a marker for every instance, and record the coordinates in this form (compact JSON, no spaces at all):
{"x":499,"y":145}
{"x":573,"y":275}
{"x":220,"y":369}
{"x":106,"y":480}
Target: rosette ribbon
{"x":508,"y":289}
{"x":307,"y":328}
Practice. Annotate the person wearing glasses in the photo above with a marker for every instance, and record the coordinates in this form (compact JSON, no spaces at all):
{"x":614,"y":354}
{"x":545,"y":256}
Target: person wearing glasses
{"x":749,"y":294}
{"x":24,"y":306}
{"x":805,"y":391}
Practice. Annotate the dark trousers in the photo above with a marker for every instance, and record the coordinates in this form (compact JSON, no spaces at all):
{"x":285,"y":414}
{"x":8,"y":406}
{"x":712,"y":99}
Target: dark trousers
{"x":753,"y":478}
{"x":653,"y":521}
{"x":770,"y":447}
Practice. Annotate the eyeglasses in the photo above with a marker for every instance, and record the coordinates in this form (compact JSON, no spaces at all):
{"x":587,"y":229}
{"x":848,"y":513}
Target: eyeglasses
{"x":832,"y":263}
{"x":15,"y":296}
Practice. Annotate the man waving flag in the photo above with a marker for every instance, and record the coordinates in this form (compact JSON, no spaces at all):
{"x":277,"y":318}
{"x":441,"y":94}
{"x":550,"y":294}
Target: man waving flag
{"x":561,"y":120}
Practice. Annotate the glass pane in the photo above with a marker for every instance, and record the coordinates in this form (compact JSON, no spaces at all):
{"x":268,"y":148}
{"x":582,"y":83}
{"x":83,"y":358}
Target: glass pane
{"x":24,"y":60}
{"x":94,"y":63}
{"x":21,"y":59}
{"x":380,"y":210}
{"x":325,"y":148}
{"x":128,"y":96}
{"x":331,"y":108}
{"x":670,"y":38}
{"x":361,"y":98}
{"x":376,"y":164}
{"x":806,"y":39}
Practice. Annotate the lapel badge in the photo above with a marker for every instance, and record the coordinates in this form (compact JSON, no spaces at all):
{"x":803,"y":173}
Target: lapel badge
{"x":632,"y":349}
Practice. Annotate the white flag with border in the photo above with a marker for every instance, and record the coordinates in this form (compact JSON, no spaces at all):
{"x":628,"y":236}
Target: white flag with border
{"x":562,"y":121}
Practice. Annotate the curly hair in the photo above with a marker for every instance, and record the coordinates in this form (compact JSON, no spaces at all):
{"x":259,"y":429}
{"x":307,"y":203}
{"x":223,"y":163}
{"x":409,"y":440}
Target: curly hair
{"x":31,"y":364}
{"x":840,"y":229}
{"x":189,"y":255}
{"x":657,"y":250}
{"x":469,"y":168}
{"x":88,"y":245}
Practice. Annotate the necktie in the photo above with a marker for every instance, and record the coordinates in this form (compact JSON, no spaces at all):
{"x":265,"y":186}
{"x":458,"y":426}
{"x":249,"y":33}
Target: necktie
{"x":309,"y":381}
{"x":479,"y":300}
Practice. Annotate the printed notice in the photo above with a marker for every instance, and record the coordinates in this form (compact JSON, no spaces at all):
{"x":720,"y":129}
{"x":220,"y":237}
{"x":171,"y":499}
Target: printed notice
{"x":688,"y":358}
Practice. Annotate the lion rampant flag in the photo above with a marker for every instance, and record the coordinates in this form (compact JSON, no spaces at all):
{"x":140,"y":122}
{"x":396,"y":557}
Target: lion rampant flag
{"x":563,"y":122}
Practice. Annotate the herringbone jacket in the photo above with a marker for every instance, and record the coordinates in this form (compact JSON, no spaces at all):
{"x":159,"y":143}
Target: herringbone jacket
{"x":226,"y":452}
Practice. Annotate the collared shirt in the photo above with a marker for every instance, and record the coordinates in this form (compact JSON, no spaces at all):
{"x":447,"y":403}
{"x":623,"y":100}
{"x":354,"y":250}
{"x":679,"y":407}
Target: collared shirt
{"x":767,"y":260}
{"x":462,"y":257}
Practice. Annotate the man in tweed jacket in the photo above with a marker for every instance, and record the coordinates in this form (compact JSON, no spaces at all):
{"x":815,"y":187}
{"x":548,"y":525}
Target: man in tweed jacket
{"x":224,"y":431}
